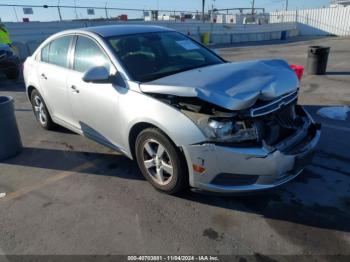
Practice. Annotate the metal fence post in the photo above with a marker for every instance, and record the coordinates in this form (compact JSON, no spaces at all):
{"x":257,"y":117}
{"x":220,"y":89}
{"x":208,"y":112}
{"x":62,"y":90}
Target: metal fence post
{"x":106,"y":11}
{"x":14,"y":10}
{"x":59,"y":12}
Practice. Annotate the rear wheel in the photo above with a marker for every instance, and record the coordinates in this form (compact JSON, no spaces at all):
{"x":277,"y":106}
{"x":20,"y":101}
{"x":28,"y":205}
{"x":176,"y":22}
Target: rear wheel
{"x":41,"y":112}
{"x":160,"y":161}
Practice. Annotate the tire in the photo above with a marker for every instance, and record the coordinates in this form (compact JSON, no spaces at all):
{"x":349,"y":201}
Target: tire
{"x":12,"y":74}
{"x":40,"y":111}
{"x":148,"y":147}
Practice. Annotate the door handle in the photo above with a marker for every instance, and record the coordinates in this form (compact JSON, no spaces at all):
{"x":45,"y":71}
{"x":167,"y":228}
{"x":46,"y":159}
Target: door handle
{"x":43,"y":76}
{"x":74,"y":89}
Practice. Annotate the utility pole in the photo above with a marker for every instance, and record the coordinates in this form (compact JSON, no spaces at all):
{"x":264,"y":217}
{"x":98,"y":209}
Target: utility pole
{"x":253,"y":6}
{"x":286,"y":5}
{"x":203,"y":6}
{"x":75,"y":8}
{"x":212,"y":11}
{"x":106,"y":11}
{"x":59,"y":10}
{"x":14,"y":9}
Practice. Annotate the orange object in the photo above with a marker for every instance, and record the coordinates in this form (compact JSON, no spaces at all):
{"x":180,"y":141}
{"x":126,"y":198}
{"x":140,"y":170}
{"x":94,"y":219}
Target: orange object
{"x":299,"y":70}
{"x":198,"y":169}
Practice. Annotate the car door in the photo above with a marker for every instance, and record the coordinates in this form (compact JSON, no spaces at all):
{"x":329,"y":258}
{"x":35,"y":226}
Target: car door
{"x":52,"y":73}
{"x":94,"y":105}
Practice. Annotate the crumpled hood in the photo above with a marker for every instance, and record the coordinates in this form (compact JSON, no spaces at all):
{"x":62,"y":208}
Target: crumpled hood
{"x":233,"y":86}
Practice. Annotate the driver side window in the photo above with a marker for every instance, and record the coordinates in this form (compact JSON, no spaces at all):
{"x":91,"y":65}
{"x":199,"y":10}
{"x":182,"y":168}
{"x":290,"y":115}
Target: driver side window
{"x":88,"y":54}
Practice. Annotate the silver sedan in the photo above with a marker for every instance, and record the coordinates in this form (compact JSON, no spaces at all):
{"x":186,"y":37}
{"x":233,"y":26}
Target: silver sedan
{"x":188,"y":117}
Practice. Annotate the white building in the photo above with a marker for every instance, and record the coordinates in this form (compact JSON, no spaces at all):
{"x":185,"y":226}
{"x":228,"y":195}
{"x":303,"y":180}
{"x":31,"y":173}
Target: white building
{"x":340,"y":3}
{"x":242,"y":18}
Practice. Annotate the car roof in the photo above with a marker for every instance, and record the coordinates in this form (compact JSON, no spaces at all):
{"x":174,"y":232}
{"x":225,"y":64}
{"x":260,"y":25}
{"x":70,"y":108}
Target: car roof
{"x":118,"y":30}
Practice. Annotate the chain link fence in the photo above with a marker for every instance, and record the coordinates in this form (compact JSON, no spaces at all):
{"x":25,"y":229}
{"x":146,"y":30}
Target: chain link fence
{"x":45,"y":13}
{"x":49,"y":13}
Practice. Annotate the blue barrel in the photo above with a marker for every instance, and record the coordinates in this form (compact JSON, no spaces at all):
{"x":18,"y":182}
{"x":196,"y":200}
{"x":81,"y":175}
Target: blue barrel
{"x":284,"y":35}
{"x":10,"y":140}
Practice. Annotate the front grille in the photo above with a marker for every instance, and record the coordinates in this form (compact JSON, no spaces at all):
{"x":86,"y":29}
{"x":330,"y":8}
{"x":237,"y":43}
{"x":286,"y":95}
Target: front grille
{"x":272,"y":128}
{"x":275,"y":105}
{"x":288,"y":118}
{"x":279,"y":125}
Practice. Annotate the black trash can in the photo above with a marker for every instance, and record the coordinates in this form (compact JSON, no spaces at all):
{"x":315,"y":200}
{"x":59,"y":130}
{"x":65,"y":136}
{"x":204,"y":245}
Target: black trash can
{"x":10,"y":140}
{"x":317,"y":60}
{"x":284,"y":35}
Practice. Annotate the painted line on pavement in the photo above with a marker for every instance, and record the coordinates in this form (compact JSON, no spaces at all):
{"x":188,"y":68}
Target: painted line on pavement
{"x":48,"y":181}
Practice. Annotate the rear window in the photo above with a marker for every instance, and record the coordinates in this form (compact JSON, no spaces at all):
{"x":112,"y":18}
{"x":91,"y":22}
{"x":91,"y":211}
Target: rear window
{"x":56,"y":52}
{"x":45,"y":53}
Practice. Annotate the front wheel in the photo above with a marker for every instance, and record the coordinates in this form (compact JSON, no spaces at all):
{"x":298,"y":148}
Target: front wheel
{"x":160,"y":161}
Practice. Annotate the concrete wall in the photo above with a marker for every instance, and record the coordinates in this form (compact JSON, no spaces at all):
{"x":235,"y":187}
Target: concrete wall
{"x":27,"y":36}
{"x":322,"y":21}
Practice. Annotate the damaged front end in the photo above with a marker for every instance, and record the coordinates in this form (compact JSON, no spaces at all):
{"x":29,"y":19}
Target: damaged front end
{"x":265,"y":124}
{"x":252,"y":149}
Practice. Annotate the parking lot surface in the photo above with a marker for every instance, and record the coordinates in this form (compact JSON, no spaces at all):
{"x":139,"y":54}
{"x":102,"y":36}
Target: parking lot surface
{"x":69,"y":195}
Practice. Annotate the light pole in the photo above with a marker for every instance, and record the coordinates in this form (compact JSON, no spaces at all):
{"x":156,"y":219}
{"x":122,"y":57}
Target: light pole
{"x":253,"y":6}
{"x":212,"y":11}
{"x":203,"y":6}
{"x":14,"y":10}
{"x":286,"y":5}
{"x":106,"y":11}
{"x":59,"y":10}
{"x":75,"y":8}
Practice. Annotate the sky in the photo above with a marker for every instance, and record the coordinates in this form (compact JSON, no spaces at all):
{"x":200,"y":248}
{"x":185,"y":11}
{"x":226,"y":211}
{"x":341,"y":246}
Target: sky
{"x":9,"y":14}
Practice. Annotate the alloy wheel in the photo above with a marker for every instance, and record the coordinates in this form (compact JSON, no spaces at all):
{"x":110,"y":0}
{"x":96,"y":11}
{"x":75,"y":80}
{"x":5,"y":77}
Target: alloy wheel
{"x":157,"y":162}
{"x":39,"y":109}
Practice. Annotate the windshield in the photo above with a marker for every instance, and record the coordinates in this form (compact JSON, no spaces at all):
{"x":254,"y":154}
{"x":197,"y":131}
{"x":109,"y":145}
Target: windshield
{"x":151,"y":56}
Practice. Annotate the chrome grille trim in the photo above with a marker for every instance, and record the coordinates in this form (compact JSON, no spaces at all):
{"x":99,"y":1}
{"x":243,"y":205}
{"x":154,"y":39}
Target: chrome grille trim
{"x":274,"y":105}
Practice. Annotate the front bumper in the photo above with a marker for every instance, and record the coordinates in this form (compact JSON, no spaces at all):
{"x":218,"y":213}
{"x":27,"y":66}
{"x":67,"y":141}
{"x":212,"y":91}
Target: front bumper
{"x":232,"y":169}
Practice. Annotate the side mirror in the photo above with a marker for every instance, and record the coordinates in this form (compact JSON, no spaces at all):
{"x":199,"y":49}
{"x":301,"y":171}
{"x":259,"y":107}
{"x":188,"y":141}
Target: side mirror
{"x":97,"y":74}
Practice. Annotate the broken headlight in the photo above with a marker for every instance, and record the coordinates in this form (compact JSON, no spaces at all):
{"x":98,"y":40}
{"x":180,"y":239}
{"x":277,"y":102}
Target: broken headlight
{"x":228,"y":130}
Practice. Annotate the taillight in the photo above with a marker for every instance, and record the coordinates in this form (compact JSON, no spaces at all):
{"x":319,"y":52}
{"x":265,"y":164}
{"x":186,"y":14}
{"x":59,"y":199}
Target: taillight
{"x":299,"y":70}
